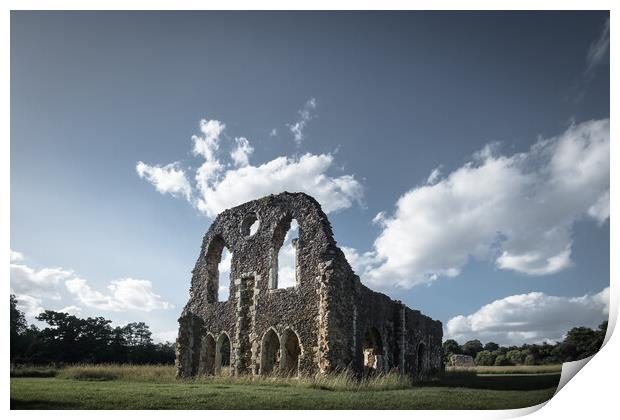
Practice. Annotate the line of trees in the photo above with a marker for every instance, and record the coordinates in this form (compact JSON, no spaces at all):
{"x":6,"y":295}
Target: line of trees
{"x":70,"y":339}
{"x":580,"y":342}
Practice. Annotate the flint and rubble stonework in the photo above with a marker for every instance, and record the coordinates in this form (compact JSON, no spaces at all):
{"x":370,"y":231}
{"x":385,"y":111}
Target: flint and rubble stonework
{"x":329,"y":321}
{"x":462,"y":360}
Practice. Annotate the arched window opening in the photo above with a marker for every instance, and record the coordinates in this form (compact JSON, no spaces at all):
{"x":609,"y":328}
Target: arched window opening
{"x":250,"y":225}
{"x":290,"y":353}
{"x":284,"y":263}
{"x":218,"y":266}
{"x":373,"y":352}
{"x":270,"y":353}
{"x":421,"y":359}
{"x":224,"y":268}
{"x":222,"y":355}
{"x":207,"y":356}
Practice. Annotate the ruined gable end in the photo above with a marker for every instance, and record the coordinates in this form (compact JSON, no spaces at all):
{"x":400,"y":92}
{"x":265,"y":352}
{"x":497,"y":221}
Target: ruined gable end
{"x":288,"y":302}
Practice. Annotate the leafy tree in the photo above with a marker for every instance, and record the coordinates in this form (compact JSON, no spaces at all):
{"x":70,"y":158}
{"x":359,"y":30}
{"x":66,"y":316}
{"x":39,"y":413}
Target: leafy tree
{"x":502,"y":360}
{"x":516,"y":357}
{"x":68,"y":338}
{"x":18,"y":320}
{"x":472,"y":347}
{"x":491,"y":346}
{"x":564,"y":352}
{"x":485,"y":358}
{"x":138,"y":334}
{"x":18,"y":329}
{"x":451,"y":347}
{"x":585,"y":340}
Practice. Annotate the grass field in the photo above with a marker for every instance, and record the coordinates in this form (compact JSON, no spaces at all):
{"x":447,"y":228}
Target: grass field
{"x":123,"y":387}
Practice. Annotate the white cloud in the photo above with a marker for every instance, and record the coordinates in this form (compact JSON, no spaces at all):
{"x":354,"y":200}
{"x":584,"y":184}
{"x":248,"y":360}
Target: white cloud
{"x":434,"y":176}
{"x":40,"y":283}
{"x":359,"y":262}
{"x":166,"y":179}
{"x":71,"y":310}
{"x":220,"y":185}
{"x":32,"y":286}
{"x":29,"y":305}
{"x":273,"y":132}
{"x":379,"y":219}
{"x":242,"y":151}
{"x":531,"y":318}
{"x":165,"y":336}
{"x":600,"y":210}
{"x":598,"y":49}
{"x":209,"y":142}
{"x":304,"y":174}
{"x":16,"y":256}
{"x":516,"y":210}
{"x":124,"y":294}
{"x":305,"y":115}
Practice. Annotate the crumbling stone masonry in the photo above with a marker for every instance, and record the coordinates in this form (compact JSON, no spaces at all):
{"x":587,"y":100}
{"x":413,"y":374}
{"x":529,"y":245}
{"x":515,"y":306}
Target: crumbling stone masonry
{"x":327,"y":322}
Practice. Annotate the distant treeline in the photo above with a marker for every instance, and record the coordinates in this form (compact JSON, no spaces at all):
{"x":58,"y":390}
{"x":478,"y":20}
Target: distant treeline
{"x":69,"y":339}
{"x":580,"y":342}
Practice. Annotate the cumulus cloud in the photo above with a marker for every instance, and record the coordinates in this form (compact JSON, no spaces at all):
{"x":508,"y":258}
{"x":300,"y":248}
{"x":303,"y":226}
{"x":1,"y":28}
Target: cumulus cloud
{"x":359,"y":262}
{"x":166,"y":179}
{"x":305,"y":115}
{"x":31,"y":286}
{"x":220,"y":184}
{"x":242,"y":151}
{"x":208,"y":143}
{"x":532,"y":317}
{"x":124,"y":294}
{"x":305,"y":174}
{"x":29,"y":305}
{"x":16,"y":256}
{"x":517,"y":211}
{"x":71,"y":310}
{"x":40,"y":283}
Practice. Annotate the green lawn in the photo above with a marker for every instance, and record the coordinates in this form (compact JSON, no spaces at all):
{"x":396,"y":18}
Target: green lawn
{"x":481,"y":392}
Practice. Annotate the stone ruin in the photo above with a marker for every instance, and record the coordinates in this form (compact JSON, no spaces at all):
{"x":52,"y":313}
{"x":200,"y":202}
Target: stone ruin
{"x":462,"y":360}
{"x":327,"y":322}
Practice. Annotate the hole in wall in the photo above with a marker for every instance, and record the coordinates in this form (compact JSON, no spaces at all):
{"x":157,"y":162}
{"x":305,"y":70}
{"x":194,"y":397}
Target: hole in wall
{"x":287,"y":258}
{"x":250,"y":225}
{"x":224,"y":268}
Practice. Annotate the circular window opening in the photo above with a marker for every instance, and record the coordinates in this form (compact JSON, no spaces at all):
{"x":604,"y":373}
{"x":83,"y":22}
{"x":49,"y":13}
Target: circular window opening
{"x":250,"y":225}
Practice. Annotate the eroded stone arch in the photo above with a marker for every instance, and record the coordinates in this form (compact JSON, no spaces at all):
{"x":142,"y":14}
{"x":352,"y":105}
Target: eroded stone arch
{"x":206,"y":364}
{"x":270,"y":352}
{"x":222,"y":354}
{"x":421,"y":359}
{"x":291,"y":353}
{"x":283,"y":227}
{"x":213,"y":257}
{"x":372,"y":350}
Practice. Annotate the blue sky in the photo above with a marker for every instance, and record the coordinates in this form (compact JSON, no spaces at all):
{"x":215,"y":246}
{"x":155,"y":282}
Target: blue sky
{"x":463,"y":157}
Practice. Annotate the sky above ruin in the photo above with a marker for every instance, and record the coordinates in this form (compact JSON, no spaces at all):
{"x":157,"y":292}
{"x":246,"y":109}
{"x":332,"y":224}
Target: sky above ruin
{"x":462,"y":158}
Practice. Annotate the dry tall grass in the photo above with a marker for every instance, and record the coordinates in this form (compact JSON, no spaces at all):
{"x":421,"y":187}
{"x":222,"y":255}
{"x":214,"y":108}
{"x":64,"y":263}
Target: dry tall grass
{"x":340,"y":381}
{"x":508,"y":370}
{"x":344,"y":380}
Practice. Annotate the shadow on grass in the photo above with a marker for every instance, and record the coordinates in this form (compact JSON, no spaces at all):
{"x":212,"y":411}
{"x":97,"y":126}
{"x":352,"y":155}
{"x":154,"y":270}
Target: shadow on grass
{"x":498,"y":382}
{"x":43,"y":405}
